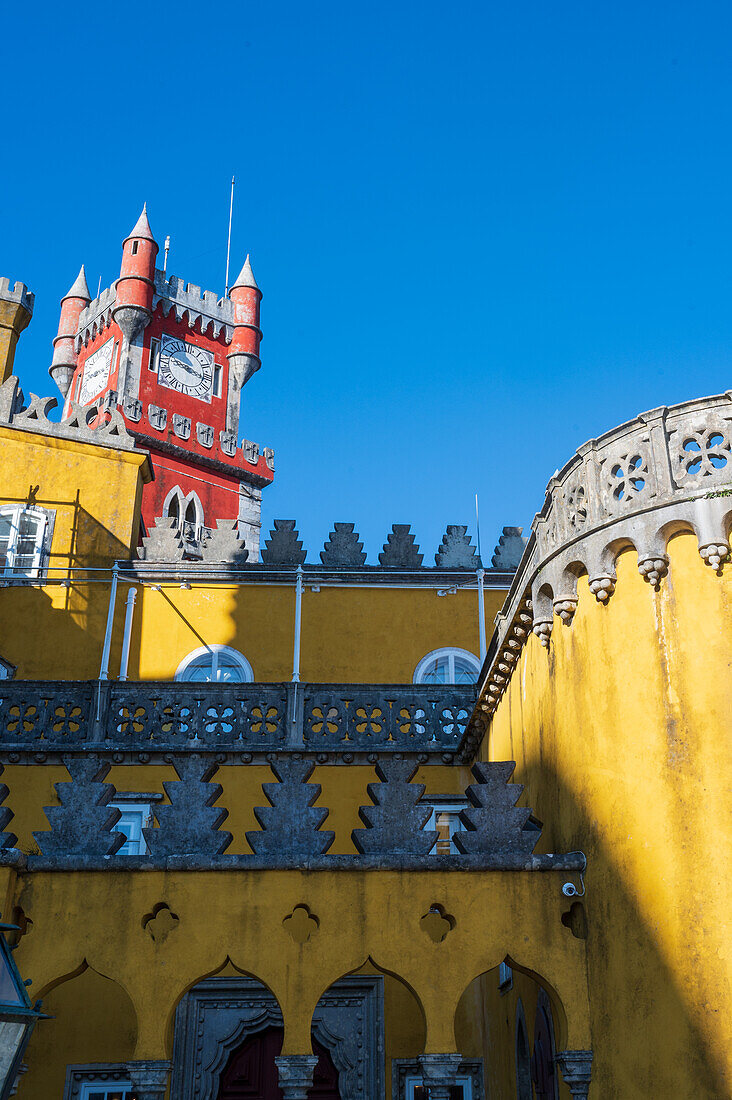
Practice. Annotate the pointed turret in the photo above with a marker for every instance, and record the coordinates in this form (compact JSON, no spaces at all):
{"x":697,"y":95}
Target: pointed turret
{"x":65,"y":355}
{"x":135,"y":288}
{"x":243,"y":354}
{"x":246,"y":276}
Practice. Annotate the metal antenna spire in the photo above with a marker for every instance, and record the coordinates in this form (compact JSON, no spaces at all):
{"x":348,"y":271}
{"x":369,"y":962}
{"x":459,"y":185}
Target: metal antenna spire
{"x":228,"y":246}
{"x":167,"y":250}
{"x":99,"y":288}
{"x":477,"y":523}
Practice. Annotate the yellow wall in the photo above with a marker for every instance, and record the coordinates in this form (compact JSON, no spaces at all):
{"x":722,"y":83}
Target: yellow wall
{"x":98,"y":918}
{"x":95,"y":495}
{"x":351,"y":635}
{"x":621,"y":734}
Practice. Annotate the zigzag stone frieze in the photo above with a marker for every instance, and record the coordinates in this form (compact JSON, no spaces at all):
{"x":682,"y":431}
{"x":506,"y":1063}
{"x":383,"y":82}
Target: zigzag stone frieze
{"x":668,"y":471}
{"x":34,"y":417}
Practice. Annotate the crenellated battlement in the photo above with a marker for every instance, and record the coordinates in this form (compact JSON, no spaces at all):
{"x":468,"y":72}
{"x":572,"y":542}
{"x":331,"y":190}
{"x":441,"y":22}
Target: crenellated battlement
{"x":97,"y":316}
{"x":19,"y":293}
{"x":188,"y":298}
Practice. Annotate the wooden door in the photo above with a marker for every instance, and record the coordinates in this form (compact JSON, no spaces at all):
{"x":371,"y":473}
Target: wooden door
{"x":251,"y":1073}
{"x":543,"y":1070}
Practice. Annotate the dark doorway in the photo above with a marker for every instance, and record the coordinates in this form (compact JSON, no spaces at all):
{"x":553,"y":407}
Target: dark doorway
{"x":543,"y":1069}
{"x":251,"y":1073}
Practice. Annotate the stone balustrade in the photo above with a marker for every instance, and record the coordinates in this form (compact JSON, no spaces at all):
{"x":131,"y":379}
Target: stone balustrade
{"x":141,"y":721}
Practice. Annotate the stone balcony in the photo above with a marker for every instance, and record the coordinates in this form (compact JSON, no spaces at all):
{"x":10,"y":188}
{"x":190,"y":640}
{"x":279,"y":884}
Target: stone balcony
{"x":146,"y":721}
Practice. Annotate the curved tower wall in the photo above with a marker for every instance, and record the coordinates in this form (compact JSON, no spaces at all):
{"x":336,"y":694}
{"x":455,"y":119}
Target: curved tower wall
{"x":611,"y":687}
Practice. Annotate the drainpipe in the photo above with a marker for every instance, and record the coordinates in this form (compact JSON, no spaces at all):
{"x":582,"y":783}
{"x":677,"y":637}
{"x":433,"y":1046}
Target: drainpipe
{"x":481,"y":617}
{"x":298,"y":621}
{"x":104,"y":670}
{"x":129,"y":615}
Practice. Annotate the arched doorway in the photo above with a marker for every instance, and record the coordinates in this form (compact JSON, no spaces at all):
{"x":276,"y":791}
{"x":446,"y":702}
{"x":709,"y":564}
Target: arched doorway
{"x":251,"y":1073}
{"x":543,"y":1067}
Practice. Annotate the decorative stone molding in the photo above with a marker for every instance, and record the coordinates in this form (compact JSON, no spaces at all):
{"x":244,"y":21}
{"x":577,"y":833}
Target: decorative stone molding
{"x":228,"y":443}
{"x":283,"y":547}
{"x":182,"y":426}
{"x":205,"y":435}
{"x":157,"y":417}
{"x":187,"y":300}
{"x":149,"y":1078}
{"x":400,"y":550}
{"x":576,"y":1067}
{"x":456,"y":550}
{"x":402,"y":1068}
{"x":667,"y":471}
{"x":34,"y":418}
{"x":295,"y":1072}
{"x":439,"y":1073}
{"x":132,"y":408}
{"x":343,"y":548}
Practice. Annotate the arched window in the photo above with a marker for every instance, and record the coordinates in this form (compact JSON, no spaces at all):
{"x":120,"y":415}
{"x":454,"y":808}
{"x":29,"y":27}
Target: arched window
{"x":447,"y":666}
{"x":215,"y":664}
{"x":22,"y":534}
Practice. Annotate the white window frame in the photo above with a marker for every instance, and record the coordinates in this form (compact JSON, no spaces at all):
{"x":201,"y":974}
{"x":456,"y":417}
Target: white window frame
{"x":455,"y":826}
{"x":413,"y":1081}
{"x":451,"y":652}
{"x":214,"y":650}
{"x":142,"y":812}
{"x":16,"y":511}
{"x":106,"y":1087}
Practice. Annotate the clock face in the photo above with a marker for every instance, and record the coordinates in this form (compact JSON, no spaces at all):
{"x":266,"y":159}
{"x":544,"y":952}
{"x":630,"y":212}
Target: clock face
{"x":96,"y":372}
{"x":186,"y":368}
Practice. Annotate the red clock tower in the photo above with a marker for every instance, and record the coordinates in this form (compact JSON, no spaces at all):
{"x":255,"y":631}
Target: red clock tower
{"x":174,"y":361}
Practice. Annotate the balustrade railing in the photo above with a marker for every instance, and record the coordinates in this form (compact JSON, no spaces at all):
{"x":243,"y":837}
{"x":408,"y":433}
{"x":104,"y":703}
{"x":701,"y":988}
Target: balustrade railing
{"x":42,"y":717}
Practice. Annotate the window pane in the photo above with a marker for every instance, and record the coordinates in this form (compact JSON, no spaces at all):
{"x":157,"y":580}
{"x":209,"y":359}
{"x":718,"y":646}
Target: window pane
{"x":464,"y":672}
{"x":174,"y":508}
{"x":438,"y":672}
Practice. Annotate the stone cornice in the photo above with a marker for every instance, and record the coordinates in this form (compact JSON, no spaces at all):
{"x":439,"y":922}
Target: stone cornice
{"x":667,"y":471}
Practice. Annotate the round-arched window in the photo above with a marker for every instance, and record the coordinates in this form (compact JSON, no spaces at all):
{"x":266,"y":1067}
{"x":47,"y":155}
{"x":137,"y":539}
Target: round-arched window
{"x":215,"y":664}
{"x":447,"y":666}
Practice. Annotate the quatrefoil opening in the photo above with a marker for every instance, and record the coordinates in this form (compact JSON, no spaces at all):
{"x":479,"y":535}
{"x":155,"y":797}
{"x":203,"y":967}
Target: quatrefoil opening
{"x":301,"y":924}
{"x":437,"y":923}
{"x":160,"y":922}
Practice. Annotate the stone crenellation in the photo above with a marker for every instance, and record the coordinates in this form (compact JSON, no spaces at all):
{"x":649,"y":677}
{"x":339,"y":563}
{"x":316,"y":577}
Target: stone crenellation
{"x":635,"y":487}
{"x":187,"y":298}
{"x":18,"y":293}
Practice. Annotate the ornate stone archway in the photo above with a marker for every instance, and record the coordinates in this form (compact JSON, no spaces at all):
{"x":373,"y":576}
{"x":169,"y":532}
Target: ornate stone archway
{"x":219,"y":1013}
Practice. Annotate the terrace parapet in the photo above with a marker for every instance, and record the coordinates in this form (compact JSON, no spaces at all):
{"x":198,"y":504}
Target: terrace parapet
{"x":667,"y":471}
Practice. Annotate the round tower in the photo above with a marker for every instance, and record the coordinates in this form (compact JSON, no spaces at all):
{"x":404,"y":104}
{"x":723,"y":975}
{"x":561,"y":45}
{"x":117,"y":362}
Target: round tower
{"x":243,"y":354}
{"x":65,"y":354}
{"x":136,"y":284}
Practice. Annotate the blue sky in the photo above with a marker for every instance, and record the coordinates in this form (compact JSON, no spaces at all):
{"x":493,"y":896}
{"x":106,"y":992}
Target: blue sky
{"x":485,"y":232}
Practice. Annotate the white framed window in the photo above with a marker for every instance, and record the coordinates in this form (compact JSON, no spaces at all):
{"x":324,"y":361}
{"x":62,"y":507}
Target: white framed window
{"x":217,"y":375}
{"x":448,"y":666}
{"x":187,"y":511}
{"x":135,"y":816}
{"x":22,"y":540}
{"x":215,"y":663}
{"x":103,"y":1090}
{"x":154,"y":355}
{"x":445,"y":817}
{"x":415,"y":1090}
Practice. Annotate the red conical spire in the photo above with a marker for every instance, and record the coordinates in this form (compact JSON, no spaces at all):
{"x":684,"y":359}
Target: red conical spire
{"x":243,"y":353}
{"x":136,"y":283}
{"x":64,"y":345}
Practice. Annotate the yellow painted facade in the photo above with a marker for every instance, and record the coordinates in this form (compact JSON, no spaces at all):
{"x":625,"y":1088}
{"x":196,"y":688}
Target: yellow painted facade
{"x":620,"y":733}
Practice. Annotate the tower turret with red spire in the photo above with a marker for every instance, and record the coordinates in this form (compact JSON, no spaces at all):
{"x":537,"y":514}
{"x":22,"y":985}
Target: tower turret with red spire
{"x":65,"y":355}
{"x":243,"y":354}
{"x":134,"y":289}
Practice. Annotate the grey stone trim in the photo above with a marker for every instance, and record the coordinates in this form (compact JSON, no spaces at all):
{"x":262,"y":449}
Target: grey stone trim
{"x":132,"y":408}
{"x":315,"y":574}
{"x":291,"y":824}
{"x":543,"y":864}
{"x":7,"y":840}
{"x":205,"y":435}
{"x":400,"y":550}
{"x":186,"y":299}
{"x":82,"y":824}
{"x":510,"y":549}
{"x":456,"y":550}
{"x":343,"y":547}
{"x":396,"y":822}
{"x":218,"y":1014}
{"x":159,"y":717}
{"x":34,"y":418}
{"x":96,"y":316}
{"x":157,"y":417}
{"x":190,"y":823}
{"x":401,"y":1068}
{"x":295,"y":1074}
{"x":148,"y":1078}
{"x":576,"y":1067}
{"x":224,"y":544}
{"x":439,"y":1072}
{"x":283,"y":547}
{"x":667,"y":471}
{"x":235,"y":468}
{"x":164,"y":541}
{"x":494,"y":823}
